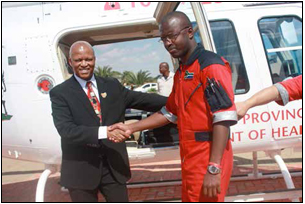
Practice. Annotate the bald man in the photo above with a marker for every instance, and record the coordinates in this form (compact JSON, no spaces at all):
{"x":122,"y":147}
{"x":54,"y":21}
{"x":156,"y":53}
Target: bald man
{"x":83,"y":107}
{"x":166,"y":80}
{"x":202,"y":104}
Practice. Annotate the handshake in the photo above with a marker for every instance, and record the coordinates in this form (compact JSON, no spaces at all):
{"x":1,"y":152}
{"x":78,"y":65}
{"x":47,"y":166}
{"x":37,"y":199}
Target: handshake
{"x":119,"y":132}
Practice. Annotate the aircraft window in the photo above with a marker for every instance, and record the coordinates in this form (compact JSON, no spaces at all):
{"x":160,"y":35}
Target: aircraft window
{"x":227,"y":46}
{"x":282,"y":38}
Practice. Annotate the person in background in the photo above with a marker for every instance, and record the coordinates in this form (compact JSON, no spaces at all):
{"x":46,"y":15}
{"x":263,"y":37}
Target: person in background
{"x":83,"y":108}
{"x":166,"y":80}
{"x":281,"y":93}
{"x":202,"y":104}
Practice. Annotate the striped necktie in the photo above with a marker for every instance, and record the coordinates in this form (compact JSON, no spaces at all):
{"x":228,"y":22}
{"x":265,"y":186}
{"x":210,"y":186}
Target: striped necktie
{"x":94,"y":101}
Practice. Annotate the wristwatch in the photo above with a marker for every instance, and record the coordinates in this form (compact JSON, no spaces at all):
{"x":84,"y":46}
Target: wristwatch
{"x":214,"y":168}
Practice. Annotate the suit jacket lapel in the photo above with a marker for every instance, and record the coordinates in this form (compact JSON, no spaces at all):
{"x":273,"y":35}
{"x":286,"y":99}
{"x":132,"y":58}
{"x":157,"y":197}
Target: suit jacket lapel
{"x":81,"y":95}
{"x":102,"y":92}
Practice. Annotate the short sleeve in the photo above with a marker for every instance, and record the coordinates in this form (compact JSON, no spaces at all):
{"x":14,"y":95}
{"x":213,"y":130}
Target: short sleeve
{"x":290,"y":90}
{"x":222,"y":75}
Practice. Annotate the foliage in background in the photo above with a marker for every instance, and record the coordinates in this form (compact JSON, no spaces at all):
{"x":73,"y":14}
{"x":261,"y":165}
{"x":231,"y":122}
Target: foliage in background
{"x":140,"y":78}
{"x":127,"y":77}
{"x":106,"y":71}
{"x":152,"y":90}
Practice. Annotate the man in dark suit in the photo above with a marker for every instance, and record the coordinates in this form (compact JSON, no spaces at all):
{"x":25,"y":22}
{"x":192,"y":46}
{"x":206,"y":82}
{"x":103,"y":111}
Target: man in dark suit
{"x":82,"y":113}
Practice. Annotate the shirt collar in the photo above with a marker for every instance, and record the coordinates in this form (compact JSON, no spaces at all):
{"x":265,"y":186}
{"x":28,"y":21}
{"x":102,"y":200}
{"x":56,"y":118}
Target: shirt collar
{"x":194,"y":54}
{"x":170,"y":75}
{"x":83,"y":82}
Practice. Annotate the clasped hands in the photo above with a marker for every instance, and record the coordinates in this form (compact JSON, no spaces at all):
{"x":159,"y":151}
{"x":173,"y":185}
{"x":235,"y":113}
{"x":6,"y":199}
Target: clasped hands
{"x":118,"y":132}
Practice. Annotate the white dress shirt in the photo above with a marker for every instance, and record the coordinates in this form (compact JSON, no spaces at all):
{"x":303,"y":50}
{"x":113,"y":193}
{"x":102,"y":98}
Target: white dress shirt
{"x":102,"y":131}
{"x":165,"y":85}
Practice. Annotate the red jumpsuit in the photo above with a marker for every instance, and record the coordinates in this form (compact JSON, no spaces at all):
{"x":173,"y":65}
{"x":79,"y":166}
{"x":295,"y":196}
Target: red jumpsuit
{"x":188,"y":106}
{"x":290,"y":90}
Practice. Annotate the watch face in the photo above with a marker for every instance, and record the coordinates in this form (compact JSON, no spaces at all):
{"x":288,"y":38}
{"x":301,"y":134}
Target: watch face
{"x":213,"y":169}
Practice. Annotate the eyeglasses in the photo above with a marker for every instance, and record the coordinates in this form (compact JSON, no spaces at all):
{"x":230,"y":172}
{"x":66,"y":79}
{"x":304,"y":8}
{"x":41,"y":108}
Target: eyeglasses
{"x":172,"y":37}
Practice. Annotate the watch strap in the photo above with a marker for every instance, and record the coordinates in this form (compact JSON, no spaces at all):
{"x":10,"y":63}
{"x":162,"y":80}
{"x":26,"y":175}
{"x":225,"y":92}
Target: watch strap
{"x":214,"y":164}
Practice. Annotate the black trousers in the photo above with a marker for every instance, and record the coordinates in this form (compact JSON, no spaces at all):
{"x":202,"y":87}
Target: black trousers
{"x":109,"y":187}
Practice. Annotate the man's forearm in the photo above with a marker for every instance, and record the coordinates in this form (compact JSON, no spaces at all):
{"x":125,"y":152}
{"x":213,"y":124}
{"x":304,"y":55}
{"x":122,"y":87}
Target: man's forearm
{"x":220,"y":138}
{"x":153,"y":121}
{"x":263,"y":97}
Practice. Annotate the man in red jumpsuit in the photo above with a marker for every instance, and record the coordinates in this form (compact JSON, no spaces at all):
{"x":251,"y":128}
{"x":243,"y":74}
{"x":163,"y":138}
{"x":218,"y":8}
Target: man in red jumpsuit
{"x":202,"y":104}
{"x":281,"y":93}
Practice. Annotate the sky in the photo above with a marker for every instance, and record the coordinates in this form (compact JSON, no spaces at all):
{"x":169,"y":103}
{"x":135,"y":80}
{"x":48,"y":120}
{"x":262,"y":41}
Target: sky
{"x":133,"y":56}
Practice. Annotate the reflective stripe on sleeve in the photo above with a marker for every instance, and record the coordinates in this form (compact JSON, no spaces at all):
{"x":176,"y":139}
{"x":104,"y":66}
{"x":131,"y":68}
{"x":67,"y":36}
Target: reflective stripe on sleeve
{"x":225,"y":116}
{"x":169,"y":116}
{"x":283,"y":92}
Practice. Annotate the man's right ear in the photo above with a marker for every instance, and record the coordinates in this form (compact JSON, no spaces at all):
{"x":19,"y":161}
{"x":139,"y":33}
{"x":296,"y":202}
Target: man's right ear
{"x":69,"y":61}
{"x":191,"y":33}
{"x":69,"y":66}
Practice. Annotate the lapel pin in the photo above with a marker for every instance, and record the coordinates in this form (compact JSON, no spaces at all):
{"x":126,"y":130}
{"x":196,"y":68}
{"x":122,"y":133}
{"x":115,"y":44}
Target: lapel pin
{"x":104,"y":95}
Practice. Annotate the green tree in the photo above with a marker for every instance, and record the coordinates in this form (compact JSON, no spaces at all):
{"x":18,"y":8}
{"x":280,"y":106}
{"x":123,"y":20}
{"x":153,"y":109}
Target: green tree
{"x":152,"y":90}
{"x":138,"y":79}
{"x":126,"y":77}
{"x":141,"y":77}
{"x":106,"y":71}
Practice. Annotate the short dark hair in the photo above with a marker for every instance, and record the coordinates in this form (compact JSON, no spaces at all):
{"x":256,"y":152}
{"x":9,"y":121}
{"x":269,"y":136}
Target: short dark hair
{"x":164,"y":63}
